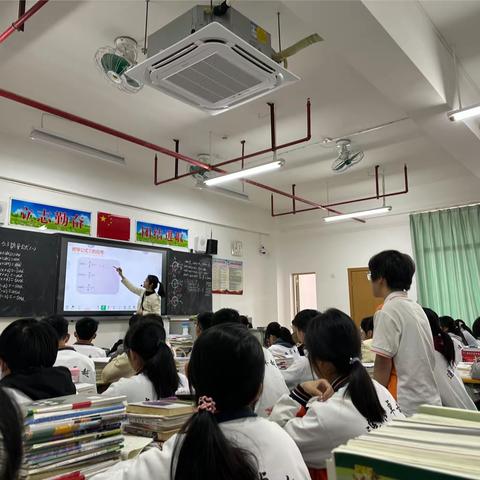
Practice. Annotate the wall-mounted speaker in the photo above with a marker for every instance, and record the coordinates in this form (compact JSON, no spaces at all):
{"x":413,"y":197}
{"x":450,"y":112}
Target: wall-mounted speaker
{"x":212,"y":246}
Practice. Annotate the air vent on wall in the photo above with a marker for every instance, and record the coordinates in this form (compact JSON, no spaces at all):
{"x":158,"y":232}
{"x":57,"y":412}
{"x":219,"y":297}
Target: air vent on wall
{"x":221,"y":72}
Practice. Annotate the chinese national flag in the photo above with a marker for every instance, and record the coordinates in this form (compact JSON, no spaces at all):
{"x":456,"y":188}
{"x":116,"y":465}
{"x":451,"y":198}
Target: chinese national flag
{"x":113,"y":226}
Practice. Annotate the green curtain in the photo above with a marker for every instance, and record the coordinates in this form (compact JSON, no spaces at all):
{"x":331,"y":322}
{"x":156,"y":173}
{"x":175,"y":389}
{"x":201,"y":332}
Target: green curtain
{"x":446,"y":246}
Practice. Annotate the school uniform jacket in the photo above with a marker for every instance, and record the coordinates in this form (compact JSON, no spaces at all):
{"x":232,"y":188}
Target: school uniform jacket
{"x":140,"y":389}
{"x":274,"y":386}
{"x":450,"y":385}
{"x":146,"y":303}
{"x":277,"y":455}
{"x":326,"y":425}
{"x":90,"y":351}
{"x":300,"y":371}
{"x":70,"y":358}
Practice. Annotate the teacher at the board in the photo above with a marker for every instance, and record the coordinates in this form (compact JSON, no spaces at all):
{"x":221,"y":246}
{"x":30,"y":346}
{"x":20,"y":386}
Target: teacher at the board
{"x":149,"y":301}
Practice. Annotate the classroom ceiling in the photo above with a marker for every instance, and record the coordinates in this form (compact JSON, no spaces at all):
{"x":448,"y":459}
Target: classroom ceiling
{"x":362,"y":75}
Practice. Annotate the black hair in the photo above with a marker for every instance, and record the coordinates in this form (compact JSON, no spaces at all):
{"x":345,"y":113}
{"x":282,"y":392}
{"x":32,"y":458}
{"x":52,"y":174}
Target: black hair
{"x":303,"y":317}
{"x":476,"y":328}
{"x":225,"y":315}
{"x":11,"y":431}
{"x":233,"y":384}
{"x":333,"y":337}
{"x":27,"y":343}
{"x":442,"y":340}
{"x":134,"y":319}
{"x":286,"y":336}
{"x":86,"y":328}
{"x":395,"y":267}
{"x":155,"y":282}
{"x":367,"y":324}
{"x":152,"y":317}
{"x":59,"y":324}
{"x":448,"y":323}
{"x":462,"y":325}
{"x":273,"y":328}
{"x":147,"y":339}
{"x":204,"y":320}
{"x":245,"y":321}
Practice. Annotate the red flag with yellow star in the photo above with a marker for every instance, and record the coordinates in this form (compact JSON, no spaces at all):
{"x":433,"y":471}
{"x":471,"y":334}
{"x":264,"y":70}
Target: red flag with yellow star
{"x":113,"y":226}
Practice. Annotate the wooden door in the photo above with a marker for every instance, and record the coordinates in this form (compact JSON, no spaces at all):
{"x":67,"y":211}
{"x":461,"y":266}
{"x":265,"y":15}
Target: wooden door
{"x":362,"y":302}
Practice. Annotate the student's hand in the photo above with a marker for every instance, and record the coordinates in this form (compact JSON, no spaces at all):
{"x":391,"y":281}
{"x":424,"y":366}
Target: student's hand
{"x":318,"y":388}
{"x":119,"y":271}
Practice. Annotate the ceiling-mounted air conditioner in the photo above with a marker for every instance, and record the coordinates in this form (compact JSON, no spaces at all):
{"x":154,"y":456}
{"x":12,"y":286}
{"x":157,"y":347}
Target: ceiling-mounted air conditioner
{"x":221,"y":65}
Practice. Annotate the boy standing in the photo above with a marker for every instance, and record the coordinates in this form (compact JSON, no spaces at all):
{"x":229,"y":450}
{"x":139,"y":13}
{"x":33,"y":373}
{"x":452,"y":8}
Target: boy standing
{"x":402,"y":339}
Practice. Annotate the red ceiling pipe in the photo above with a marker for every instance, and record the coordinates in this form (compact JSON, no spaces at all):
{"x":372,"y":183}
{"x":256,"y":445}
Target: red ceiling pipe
{"x":129,"y":138}
{"x":17,"y":25}
{"x":364,"y":199}
{"x":244,"y":157}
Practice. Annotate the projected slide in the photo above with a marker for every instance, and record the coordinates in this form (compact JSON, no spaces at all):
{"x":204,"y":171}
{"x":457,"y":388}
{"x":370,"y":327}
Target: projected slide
{"x":93,"y":285}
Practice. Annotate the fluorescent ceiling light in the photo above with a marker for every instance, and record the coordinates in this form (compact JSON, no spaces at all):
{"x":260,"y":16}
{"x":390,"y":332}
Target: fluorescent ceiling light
{"x":363,"y":213}
{"x":246,"y":172}
{"x":224,"y":191}
{"x":57,"y":140}
{"x":464,"y":113}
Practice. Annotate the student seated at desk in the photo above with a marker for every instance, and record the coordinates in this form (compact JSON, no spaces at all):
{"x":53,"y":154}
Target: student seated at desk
{"x":279,"y":342}
{"x":152,"y":360}
{"x":224,"y":439}
{"x":450,"y":385}
{"x":300,"y":371}
{"x":203,"y":321}
{"x":274,"y":385}
{"x":28,"y":350}
{"x":85,"y":332}
{"x":68,"y":356}
{"x":11,"y":436}
{"x":366,"y":331}
{"x":358,"y":404}
{"x":447,"y":324}
{"x":120,"y":366}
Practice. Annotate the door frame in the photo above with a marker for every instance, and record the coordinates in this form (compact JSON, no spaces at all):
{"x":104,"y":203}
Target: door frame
{"x":296,"y":292}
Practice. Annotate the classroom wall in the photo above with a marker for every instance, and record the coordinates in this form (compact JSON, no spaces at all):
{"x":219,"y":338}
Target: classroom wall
{"x":329,"y":250}
{"x":46,"y":174}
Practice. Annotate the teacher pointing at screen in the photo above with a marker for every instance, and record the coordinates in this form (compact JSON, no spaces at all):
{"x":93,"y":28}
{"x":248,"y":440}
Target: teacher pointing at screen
{"x":149,"y":301}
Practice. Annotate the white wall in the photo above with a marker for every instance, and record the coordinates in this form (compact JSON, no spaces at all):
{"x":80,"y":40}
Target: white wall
{"x":45,"y":174}
{"x":329,"y":250}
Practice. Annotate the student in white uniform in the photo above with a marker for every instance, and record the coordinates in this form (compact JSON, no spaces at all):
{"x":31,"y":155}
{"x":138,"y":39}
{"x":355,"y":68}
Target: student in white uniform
{"x":150,"y":301}
{"x":151,"y":358}
{"x":451,"y":387}
{"x":402,"y":339}
{"x":366,"y":332}
{"x":357,"y":406}
{"x":10,"y":437}
{"x":85,"y":333}
{"x":280,"y":343}
{"x":68,"y":356}
{"x":447,"y":324}
{"x":224,"y":439}
{"x":274,"y":385}
{"x":300,"y":371}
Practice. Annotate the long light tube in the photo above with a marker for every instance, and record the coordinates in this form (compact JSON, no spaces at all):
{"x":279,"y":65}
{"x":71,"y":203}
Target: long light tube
{"x":59,"y":141}
{"x":363,"y":213}
{"x":464,"y":113}
{"x":246,"y":172}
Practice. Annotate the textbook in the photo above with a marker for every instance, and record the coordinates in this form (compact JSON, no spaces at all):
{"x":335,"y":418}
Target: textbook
{"x":67,"y":436}
{"x":437,"y":443}
{"x":164,"y":407}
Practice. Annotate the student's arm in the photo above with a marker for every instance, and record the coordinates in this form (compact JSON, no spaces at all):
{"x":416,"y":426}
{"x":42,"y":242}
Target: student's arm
{"x":382,"y":370}
{"x":154,"y":463}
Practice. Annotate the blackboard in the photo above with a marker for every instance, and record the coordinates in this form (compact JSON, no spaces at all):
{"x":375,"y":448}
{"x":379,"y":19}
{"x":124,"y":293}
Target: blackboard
{"x":28,"y":273}
{"x":189,"y":283}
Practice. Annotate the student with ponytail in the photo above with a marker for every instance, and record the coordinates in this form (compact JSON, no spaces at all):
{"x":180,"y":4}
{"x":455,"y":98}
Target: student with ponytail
{"x":224,"y":439}
{"x":156,"y":375}
{"x":358,"y":403}
{"x":450,"y":385}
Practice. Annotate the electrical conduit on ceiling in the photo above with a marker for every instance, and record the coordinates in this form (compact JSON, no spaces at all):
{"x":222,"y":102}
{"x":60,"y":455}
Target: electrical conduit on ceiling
{"x":143,"y":143}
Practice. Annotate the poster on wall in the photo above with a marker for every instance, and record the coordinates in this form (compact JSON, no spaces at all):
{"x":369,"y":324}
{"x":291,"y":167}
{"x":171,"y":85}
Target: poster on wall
{"x":161,"y":235}
{"x":113,"y":226}
{"x":227,"y":277}
{"x":50,"y":217}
